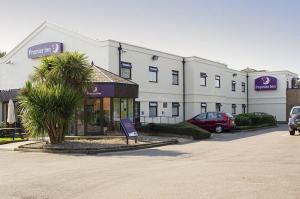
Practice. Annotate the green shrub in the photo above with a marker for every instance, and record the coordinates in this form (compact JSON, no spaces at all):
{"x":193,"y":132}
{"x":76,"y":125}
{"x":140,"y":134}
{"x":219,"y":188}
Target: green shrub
{"x":249,"y":119}
{"x":182,"y":128}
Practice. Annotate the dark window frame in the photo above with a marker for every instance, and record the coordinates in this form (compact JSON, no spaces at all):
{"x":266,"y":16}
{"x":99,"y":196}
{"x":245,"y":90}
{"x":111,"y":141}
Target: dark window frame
{"x":233,"y":85}
{"x":218,"y":78}
{"x":233,"y":109}
{"x":203,"y":75}
{"x":156,"y":107}
{"x":203,"y":105}
{"x":175,"y":105}
{"x":244,"y":108}
{"x":176,"y":74}
{"x":165,"y":104}
{"x":153,"y":69}
{"x":218,"y":105}
{"x":243,"y":87}
{"x":125,"y":65}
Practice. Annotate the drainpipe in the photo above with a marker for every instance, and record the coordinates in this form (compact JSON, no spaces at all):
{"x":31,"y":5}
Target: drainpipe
{"x":183,"y":87}
{"x":247,"y":93}
{"x":120,"y":52}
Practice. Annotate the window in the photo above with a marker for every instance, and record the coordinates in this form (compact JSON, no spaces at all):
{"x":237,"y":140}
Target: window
{"x":175,"y":77}
{"x":203,"y":107}
{"x":244,"y":108}
{"x":233,"y":83}
{"x":218,"y":107}
{"x":203,"y":77}
{"x":287,"y":84}
{"x":243,"y":87}
{"x":217,"y":81}
{"x":233,"y":109}
{"x":201,"y":116}
{"x":175,"y":109}
{"x":165,"y":104}
{"x":125,"y":70}
{"x":211,"y":116}
{"x":152,"y":109}
{"x":153,"y":74}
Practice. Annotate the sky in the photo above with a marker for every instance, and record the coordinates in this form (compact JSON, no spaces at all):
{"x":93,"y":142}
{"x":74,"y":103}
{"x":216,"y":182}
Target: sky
{"x":261,"y":34}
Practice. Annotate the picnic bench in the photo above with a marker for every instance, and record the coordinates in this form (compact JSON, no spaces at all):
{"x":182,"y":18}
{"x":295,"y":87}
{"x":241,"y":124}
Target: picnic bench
{"x":10,"y":131}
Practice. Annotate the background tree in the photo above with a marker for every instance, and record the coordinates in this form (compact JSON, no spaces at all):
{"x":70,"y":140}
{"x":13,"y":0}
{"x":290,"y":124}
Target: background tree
{"x":2,"y":54}
{"x":51,"y":98}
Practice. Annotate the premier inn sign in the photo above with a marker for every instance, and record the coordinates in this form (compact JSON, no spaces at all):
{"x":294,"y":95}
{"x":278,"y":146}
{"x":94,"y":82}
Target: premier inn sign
{"x":44,"y":49}
{"x":265,"y":83}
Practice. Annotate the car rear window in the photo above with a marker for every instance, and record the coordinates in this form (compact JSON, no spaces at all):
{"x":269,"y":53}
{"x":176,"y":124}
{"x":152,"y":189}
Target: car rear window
{"x":296,"y":111}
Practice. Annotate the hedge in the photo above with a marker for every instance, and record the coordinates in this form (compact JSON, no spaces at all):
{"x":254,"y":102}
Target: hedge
{"x":182,"y":128}
{"x":251,"y":119}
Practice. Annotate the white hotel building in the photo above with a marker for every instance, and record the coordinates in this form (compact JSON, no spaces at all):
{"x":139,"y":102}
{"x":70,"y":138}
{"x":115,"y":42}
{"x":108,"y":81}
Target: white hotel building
{"x":172,"y":88}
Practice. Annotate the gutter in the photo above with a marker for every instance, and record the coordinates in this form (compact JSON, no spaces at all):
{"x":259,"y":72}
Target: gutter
{"x":120,"y":52}
{"x":247,"y":77}
{"x":183,"y":87}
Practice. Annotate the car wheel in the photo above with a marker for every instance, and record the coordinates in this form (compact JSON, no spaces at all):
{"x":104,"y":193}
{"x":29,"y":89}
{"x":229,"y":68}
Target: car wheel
{"x":219,"y":129}
{"x":292,"y":132}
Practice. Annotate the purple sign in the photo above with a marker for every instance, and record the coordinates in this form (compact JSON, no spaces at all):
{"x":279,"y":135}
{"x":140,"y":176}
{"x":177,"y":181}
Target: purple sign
{"x":45,"y":49}
{"x":102,"y":90}
{"x":265,"y":83}
{"x":128,"y":128}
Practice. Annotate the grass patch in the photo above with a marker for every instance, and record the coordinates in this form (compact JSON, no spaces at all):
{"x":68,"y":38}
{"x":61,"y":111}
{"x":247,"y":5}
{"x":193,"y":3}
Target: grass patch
{"x":9,"y":139}
{"x":182,"y":129}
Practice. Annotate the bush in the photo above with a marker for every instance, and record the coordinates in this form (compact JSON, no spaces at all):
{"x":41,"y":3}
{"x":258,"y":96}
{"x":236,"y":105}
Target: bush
{"x":182,"y":128}
{"x":251,"y":119}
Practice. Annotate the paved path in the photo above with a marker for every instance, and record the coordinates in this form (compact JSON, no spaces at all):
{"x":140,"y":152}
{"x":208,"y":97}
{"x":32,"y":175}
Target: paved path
{"x":263,"y":164}
{"x":12,"y":146}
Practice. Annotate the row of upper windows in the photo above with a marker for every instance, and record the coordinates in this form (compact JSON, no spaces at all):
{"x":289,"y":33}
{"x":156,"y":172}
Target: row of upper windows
{"x":153,"y":109}
{"x":125,"y":72}
{"x":218,"y":108}
{"x":203,"y":82}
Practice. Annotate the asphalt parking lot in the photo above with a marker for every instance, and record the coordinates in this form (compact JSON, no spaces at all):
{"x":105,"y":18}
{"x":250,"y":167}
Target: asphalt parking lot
{"x":260,"y":164}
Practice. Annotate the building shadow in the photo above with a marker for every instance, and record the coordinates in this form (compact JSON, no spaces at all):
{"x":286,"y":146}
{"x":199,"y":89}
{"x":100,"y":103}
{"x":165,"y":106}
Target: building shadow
{"x":226,"y":137}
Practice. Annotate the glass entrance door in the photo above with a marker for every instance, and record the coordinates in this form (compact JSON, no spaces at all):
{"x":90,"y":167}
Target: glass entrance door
{"x":93,"y":116}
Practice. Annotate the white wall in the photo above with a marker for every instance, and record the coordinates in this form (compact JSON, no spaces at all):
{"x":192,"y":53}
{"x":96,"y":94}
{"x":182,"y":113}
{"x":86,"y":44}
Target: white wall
{"x":270,"y":101}
{"x":14,"y":75}
{"x":163,"y":90}
{"x":195,"y":93}
{"x":105,"y":54}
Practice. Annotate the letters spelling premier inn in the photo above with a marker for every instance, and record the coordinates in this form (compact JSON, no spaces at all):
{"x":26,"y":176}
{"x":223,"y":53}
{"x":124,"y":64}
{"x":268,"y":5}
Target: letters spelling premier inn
{"x":172,"y":88}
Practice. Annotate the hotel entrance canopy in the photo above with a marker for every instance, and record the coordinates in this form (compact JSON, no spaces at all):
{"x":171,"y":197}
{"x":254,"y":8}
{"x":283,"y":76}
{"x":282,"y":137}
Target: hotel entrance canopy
{"x":108,"y":84}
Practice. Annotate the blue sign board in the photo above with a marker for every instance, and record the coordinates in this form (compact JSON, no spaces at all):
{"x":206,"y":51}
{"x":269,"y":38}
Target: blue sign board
{"x":102,"y":90}
{"x":128,"y":128}
{"x":265,"y":83}
{"x":44,"y":49}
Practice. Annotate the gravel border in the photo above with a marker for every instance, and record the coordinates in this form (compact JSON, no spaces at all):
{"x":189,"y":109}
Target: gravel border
{"x":99,"y":150}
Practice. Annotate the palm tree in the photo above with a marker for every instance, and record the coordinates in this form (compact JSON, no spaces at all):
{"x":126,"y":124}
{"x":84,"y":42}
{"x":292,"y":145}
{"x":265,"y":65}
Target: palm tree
{"x":48,"y":109}
{"x":57,"y":88}
{"x":70,"y":68}
{"x":2,"y":54}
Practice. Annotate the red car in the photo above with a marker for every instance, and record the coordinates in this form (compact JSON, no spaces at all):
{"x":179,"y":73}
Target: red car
{"x":214,"y":121}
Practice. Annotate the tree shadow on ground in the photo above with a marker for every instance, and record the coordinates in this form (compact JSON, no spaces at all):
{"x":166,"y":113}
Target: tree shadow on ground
{"x":153,"y":152}
{"x":150,"y":152}
{"x":225,"y":137}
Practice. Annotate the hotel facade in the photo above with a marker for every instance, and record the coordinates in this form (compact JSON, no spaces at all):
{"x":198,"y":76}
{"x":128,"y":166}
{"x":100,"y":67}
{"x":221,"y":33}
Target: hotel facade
{"x":171,"y":88}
